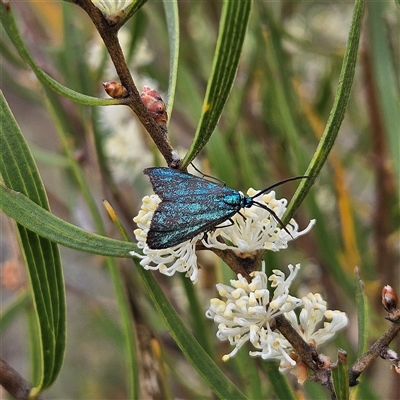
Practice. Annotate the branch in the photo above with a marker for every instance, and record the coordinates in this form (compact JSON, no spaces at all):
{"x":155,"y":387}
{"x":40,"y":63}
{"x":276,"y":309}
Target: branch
{"x":14,"y":383}
{"x":109,"y":34}
{"x":308,"y":354}
{"x":380,"y":347}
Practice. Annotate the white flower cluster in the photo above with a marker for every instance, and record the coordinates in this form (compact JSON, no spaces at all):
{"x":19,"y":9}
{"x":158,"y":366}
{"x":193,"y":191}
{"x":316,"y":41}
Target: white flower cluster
{"x":257,"y":231}
{"x":248,"y":311}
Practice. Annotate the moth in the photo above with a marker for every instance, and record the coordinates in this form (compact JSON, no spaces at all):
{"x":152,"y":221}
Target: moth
{"x":191,"y":205}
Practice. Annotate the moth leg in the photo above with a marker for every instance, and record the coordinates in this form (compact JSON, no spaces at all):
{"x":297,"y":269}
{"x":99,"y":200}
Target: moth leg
{"x":224,"y":226}
{"x":205,"y":237}
{"x":243,"y":216}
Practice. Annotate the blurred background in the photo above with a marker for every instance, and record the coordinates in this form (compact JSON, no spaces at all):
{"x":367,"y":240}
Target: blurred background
{"x":276,"y":113}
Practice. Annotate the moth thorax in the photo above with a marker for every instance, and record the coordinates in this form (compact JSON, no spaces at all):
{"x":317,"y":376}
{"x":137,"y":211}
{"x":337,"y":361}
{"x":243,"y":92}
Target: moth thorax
{"x":247,"y":202}
{"x":235,"y":200}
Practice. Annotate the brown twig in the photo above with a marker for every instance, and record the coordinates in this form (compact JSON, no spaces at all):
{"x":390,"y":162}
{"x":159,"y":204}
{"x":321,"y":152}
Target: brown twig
{"x":378,"y":349}
{"x":243,"y":264}
{"x":306,"y":351}
{"x":308,"y":355}
{"x":14,"y":383}
{"x":109,"y":34}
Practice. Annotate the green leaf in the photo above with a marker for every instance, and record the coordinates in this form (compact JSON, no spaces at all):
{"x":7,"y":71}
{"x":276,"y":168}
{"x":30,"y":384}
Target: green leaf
{"x":279,"y":382}
{"x":248,"y":373}
{"x":172,"y":16}
{"x":340,"y":376}
{"x":10,"y":311}
{"x":198,"y":321}
{"x":12,"y":31}
{"x":337,"y":113}
{"x":128,"y":327}
{"x":42,"y":258}
{"x":46,"y":224}
{"x":233,"y":25}
{"x":362,"y":314}
{"x":131,"y":10}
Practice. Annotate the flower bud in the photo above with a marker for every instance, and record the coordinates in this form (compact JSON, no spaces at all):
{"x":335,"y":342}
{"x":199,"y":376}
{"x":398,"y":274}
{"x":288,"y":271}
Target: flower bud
{"x":389,"y":298}
{"x":112,"y":10}
{"x":155,"y":105}
{"x":115,"y":90}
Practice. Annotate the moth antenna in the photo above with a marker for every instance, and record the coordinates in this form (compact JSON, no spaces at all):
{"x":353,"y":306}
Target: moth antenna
{"x":273,"y":213}
{"x":281,"y":183}
{"x":208,"y":176}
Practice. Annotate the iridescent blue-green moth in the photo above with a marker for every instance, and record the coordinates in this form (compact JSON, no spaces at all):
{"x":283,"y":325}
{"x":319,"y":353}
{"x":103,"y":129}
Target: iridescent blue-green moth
{"x":191,"y":205}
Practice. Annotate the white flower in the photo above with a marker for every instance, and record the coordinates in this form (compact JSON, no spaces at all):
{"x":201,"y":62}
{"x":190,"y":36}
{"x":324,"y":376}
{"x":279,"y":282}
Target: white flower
{"x":247,"y":315}
{"x":180,"y":258}
{"x":259,"y":230}
{"x":112,"y":8}
{"x":274,"y":346}
{"x":313,"y":312}
{"x":249,"y":308}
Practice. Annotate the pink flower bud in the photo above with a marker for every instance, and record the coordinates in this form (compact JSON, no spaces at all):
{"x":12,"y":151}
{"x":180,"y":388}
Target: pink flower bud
{"x":155,"y":105}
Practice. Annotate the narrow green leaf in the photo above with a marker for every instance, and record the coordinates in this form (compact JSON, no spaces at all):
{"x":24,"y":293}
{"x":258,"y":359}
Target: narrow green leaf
{"x":279,"y":382}
{"x":340,"y":377}
{"x":315,"y":391}
{"x":129,"y":326}
{"x":172,"y":16}
{"x":198,"y":319}
{"x":10,"y":311}
{"x":46,"y":224}
{"x":42,"y":258}
{"x":10,"y":27}
{"x":233,"y":25}
{"x":337,"y":113}
{"x":131,"y":10}
{"x":48,"y":157}
{"x":248,"y":374}
{"x":362,"y":314}
{"x":34,"y":344}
